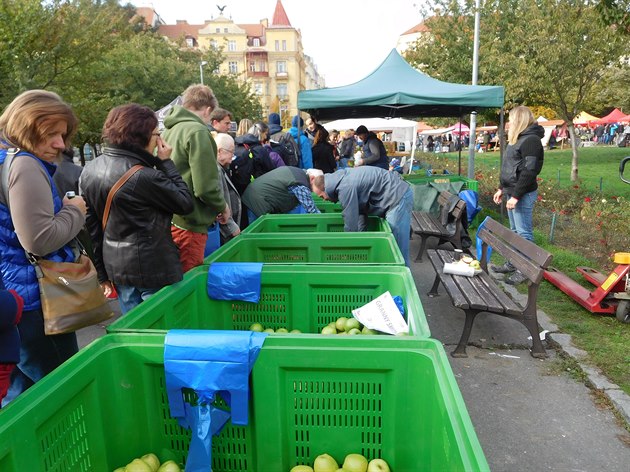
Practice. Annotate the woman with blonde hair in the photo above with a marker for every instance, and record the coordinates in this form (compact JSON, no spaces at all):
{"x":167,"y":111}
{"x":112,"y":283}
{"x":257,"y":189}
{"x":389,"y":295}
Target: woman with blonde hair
{"x":521,"y":165}
{"x":243,"y":126}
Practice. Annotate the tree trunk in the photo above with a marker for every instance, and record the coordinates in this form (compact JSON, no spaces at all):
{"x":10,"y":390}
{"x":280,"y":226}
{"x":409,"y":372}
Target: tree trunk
{"x":574,"y":147}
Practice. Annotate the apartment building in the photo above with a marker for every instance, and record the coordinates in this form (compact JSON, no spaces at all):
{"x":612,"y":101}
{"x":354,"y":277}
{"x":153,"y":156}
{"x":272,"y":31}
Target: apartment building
{"x":267,"y":55}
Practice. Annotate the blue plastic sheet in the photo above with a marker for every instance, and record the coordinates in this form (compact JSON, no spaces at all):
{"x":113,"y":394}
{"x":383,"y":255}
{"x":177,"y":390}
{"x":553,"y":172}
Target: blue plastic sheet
{"x":209,"y":362}
{"x":479,"y":242}
{"x":472,"y":203}
{"x":298,"y":210}
{"x":214,"y":240}
{"x":401,"y":307}
{"x":235,"y":281}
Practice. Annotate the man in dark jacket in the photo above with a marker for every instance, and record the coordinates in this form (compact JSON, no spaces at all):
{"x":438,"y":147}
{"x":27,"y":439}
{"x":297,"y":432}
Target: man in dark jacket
{"x":11,"y":305}
{"x":279,"y":191}
{"x":370,"y":191}
{"x":374,"y":152}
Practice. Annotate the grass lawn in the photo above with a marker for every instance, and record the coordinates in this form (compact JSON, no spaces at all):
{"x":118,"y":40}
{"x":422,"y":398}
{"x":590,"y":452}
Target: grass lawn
{"x":594,"y":164}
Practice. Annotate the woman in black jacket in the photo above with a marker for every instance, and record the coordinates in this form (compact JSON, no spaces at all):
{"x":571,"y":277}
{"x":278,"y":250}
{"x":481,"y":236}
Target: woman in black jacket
{"x":518,"y":186}
{"x":323,"y":151}
{"x":135,"y":250}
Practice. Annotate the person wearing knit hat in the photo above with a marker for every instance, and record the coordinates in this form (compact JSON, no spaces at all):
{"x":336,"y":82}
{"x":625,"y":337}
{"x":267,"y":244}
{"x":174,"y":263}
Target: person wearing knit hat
{"x":374,"y":152}
{"x":277,"y":135}
{"x":11,"y":305}
{"x":297,"y":130}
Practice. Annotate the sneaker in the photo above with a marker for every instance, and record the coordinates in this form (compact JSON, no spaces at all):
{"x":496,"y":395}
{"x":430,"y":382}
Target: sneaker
{"x":516,"y":278}
{"x":506,"y":268}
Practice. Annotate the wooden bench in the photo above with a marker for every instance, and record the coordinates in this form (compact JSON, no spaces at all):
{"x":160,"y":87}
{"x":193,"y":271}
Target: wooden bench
{"x":426,"y":225}
{"x":481,"y":293}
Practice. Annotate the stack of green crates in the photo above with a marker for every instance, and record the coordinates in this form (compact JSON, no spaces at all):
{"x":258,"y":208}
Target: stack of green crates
{"x":390,"y":397}
{"x":108,"y":405}
{"x":419,"y":179}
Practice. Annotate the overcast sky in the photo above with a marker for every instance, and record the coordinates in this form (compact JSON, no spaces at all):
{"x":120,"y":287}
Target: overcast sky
{"x":347,"y":39}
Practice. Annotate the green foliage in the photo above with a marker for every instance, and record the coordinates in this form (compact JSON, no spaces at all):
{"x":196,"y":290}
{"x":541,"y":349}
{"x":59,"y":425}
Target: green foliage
{"x":96,"y":55}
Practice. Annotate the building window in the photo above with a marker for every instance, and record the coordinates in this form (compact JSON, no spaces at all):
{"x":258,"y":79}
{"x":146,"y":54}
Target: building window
{"x":218,"y":30}
{"x":233,"y":67}
{"x":231,"y":45}
{"x":284,"y":44}
{"x":257,"y":42}
{"x":214,"y":44}
{"x":225,"y":30}
{"x":258,"y":88}
{"x":281,"y":66}
{"x":277,"y":45}
{"x":190,"y":42}
{"x":282,"y":91}
{"x":252,"y":66}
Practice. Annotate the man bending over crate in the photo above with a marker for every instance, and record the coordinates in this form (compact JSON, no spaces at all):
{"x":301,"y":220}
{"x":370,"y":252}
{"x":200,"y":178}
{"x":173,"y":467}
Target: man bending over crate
{"x":369,"y":191}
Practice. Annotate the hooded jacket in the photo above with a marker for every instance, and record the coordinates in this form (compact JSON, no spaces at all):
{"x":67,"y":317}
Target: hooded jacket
{"x":136,"y":247}
{"x":195,"y":156}
{"x":306,"y":161}
{"x":374,"y":152}
{"x":523,"y":162}
{"x":364,"y":191}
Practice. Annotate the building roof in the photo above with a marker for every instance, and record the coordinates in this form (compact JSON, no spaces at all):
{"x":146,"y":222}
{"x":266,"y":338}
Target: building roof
{"x":254,"y":31}
{"x":280,"y":18}
{"x":181,"y":28}
{"x":419,"y":28}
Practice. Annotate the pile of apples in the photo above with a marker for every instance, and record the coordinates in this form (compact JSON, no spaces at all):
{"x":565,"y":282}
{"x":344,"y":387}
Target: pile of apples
{"x":352,"y":463}
{"x":345,"y":325}
{"x":149,"y":463}
{"x":259,"y":328}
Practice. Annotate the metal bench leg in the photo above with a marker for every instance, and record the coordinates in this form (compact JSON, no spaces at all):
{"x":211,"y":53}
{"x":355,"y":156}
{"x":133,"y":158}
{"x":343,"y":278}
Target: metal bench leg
{"x":434,"y":288}
{"x":423,"y":245}
{"x":460,"y":350}
{"x":538,"y":351}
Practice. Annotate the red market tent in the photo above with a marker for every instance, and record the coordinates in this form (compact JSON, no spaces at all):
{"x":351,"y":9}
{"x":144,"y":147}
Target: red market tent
{"x":614,"y":116}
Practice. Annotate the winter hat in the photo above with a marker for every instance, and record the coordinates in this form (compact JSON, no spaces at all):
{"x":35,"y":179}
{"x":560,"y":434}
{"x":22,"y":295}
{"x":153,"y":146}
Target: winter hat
{"x":274,"y":119}
{"x":296,"y":119}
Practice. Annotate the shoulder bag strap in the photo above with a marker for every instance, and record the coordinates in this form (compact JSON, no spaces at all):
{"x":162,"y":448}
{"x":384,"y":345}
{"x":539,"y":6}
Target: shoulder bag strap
{"x":11,"y":153}
{"x":110,"y":196}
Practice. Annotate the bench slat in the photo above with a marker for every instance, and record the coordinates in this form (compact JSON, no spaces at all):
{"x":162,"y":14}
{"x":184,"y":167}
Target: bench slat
{"x":528,"y":268}
{"x":531,"y":250}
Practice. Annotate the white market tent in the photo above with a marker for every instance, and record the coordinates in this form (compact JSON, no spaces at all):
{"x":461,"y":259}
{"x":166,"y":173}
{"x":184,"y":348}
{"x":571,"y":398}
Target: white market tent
{"x":402,"y":130}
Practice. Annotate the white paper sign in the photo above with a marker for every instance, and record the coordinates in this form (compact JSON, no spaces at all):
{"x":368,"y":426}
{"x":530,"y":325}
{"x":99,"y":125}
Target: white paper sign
{"x":383,"y":315}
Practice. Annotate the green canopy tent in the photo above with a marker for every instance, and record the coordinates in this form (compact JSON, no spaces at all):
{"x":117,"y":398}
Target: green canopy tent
{"x":395,"y":89}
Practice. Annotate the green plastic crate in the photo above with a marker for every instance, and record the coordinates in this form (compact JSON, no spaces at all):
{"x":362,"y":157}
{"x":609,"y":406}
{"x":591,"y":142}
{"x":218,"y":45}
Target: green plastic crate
{"x":340,"y":248}
{"x":322,"y":223}
{"x":419,"y":179}
{"x":108,"y":405}
{"x":329,"y":207}
{"x":292,"y":296}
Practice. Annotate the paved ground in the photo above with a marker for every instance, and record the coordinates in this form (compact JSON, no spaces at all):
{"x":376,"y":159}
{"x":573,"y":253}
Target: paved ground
{"x":526,"y":418}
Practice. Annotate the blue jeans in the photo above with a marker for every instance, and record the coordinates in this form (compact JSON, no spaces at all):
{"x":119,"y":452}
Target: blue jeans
{"x":522,"y":217}
{"x":343,"y":162}
{"x":129,"y":297}
{"x":399,"y":218}
{"x":39,"y":354}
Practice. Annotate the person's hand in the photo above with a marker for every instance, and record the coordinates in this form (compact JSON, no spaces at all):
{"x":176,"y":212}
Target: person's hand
{"x":225,"y":215}
{"x":77,"y":201}
{"x":108,"y":288}
{"x":163,"y":149}
{"x":511,"y":203}
{"x":496,"y":198}
{"x":236,"y":232}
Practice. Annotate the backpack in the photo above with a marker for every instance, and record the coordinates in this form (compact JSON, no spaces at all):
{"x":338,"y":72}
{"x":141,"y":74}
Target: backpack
{"x":294,"y":154}
{"x":286,"y":152}
{"x":250,"y":162}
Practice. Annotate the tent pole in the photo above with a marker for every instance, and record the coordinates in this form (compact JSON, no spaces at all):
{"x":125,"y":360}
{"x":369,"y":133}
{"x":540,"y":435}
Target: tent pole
{"x":459,"y":155}
{"x":475,"y":73}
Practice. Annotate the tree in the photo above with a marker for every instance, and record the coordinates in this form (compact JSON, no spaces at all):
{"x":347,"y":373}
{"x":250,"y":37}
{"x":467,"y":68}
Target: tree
{"x":546,"y":52}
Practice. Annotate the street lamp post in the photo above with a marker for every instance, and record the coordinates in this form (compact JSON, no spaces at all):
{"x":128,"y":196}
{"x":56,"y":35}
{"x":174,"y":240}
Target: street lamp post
{"x":201,"y":64}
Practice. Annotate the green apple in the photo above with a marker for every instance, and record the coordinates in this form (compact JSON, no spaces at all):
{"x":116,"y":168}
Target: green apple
{"x":138,"y":465}
{"x":342,"y":333}
{"x":302,"y":468}
{"x":282,"y":330}
{"x":269,"y":330}
{"x":355,"y":463}
{"x":257,"y":327}
{"x":352,"y":323}
{"x":329,"y":330}
{"x":367,"y":330}
{"x":120,"y":469}
{"x":475,"y":265}
{"x":295,"y":331}
{"x":354,"y":331}
{"x":378,"y":465}
{"x":325,"y":463}
{"x":169,"y":466}
{"x":340,"y":324}
{"x":152,"y":460}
